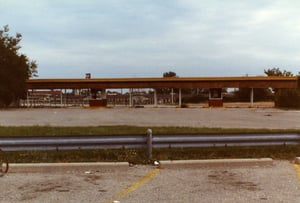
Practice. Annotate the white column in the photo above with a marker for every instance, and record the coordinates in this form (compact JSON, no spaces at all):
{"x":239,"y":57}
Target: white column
{"x":130,"y":97}
{"x":172,"y":96}
{"x":27,"y":99}
{"x":61,"y":97}
{"x":180,"y":102}
{"x":65,"y":102}
{"x":103,"y":94}
{"x":251,"y":97}
{"x":155,"y":98}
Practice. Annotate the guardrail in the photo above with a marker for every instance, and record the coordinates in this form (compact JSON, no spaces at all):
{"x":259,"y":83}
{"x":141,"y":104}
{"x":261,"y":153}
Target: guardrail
{"x":148,"y":141}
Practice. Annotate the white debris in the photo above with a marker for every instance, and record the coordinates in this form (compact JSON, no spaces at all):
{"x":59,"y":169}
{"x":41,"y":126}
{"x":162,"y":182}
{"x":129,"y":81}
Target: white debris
{"x":156,"y":163}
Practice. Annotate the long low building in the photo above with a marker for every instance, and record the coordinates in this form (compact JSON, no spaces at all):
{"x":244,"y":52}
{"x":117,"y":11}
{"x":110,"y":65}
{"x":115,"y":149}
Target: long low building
{"x":172,"y":82}
{"x":215,"y":84}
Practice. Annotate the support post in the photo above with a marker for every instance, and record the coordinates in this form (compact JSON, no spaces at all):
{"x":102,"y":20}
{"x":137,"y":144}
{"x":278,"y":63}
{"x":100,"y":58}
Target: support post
{"x":149,"y":143}
{"x":27,"y":99}
{"x":179,"y":102}
{"x":155,"y":98}
{"x":103,"y":93}
{"x":130,"y":97}
{"x":65,"y":100}
{"x":251,"y":97}
{"x":61,"y":98}
{"x":172,"y":96}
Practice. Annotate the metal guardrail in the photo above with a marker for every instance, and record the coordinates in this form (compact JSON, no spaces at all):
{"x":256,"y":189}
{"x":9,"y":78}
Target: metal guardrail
{"x":148,"y":141}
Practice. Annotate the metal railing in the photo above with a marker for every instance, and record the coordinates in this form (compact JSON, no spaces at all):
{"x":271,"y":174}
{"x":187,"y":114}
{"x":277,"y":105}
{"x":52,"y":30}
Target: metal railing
{"x":147,"y":140}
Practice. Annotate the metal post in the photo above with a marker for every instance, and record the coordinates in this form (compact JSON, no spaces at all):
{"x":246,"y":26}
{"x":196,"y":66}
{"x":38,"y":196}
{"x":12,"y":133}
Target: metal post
{"x":172,"y":96}
{"x":27,"y":99}
{"x":155,"y":98}
{"x":149,"y":143}
{"x":180,"y":102}
{"x":130,"y":97}
{"x":50,"y":97}
{"x":61,"y":97}
{"x":251,"y":97}
{"x":103,"y":93}
{"x":65,"y":100}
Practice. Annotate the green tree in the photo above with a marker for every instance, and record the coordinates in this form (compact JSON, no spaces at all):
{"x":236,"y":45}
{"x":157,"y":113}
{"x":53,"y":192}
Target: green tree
{"x":289,"y":98}
{"x":278,"y":72}
{"x":15,"y":68}
{"x":169,"y":74}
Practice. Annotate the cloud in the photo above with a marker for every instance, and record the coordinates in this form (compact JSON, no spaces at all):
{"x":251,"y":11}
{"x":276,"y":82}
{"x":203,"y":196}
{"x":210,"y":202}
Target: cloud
{"x":119,"y":38}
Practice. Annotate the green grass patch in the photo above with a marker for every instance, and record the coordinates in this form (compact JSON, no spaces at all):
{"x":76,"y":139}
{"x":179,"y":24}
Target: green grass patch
{"x":63,"y":156}
{"x":288,"y":152}
{"x":139,"y":156}
{"x":122,"y":130}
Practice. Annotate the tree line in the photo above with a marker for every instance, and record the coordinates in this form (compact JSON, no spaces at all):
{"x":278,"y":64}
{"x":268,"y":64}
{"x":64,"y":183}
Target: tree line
{"x":15,"y":69}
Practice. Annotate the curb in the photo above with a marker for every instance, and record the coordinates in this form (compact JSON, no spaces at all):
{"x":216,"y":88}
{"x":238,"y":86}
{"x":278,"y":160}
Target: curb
{"x":217,"y":162}
{"x":94,"y":166}
{"x":56,"y":167}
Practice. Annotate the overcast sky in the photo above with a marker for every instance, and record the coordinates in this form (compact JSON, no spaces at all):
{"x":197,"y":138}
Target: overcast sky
{"x":144,"y":38}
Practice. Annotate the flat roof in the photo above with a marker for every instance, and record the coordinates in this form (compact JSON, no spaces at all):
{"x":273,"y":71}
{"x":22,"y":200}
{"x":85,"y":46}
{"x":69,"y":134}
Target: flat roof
{"x":169,"y":82}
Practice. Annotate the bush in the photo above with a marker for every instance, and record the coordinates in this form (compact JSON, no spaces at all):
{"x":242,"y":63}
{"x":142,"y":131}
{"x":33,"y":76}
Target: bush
{"x":288,"y":98}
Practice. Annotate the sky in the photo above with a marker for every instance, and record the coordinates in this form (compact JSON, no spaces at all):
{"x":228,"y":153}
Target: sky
{"x":145,"y":38}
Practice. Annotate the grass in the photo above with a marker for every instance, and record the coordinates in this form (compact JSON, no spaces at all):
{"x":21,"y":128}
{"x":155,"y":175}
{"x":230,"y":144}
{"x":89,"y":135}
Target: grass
{"x":140,"y":155}
{"x":122,"y":130}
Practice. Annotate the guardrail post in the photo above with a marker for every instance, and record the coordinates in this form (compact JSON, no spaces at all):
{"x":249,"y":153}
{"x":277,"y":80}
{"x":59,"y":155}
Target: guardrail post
{"x":149,"y":143}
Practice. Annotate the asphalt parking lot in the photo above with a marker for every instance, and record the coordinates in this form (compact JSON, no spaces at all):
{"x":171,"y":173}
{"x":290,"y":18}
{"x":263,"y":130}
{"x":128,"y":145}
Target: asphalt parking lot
{"x":191,"y":117}
{"x":275,"y":182}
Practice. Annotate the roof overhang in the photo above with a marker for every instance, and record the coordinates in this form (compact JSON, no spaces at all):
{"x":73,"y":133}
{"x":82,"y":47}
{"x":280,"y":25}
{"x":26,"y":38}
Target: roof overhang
{"x":172,"y":82}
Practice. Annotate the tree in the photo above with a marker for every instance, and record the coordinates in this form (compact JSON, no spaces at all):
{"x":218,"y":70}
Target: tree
{"x":289,"y":98}
{"x":169,"y":74}
{"x":278,"y":72}
{"x":15,"y":68}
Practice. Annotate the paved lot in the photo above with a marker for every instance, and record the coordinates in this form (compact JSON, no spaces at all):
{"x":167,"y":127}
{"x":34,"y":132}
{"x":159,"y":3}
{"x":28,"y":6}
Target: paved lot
{"x":221,"y":183}
{"x":194,"y":117}
{"x":276,"y":183}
